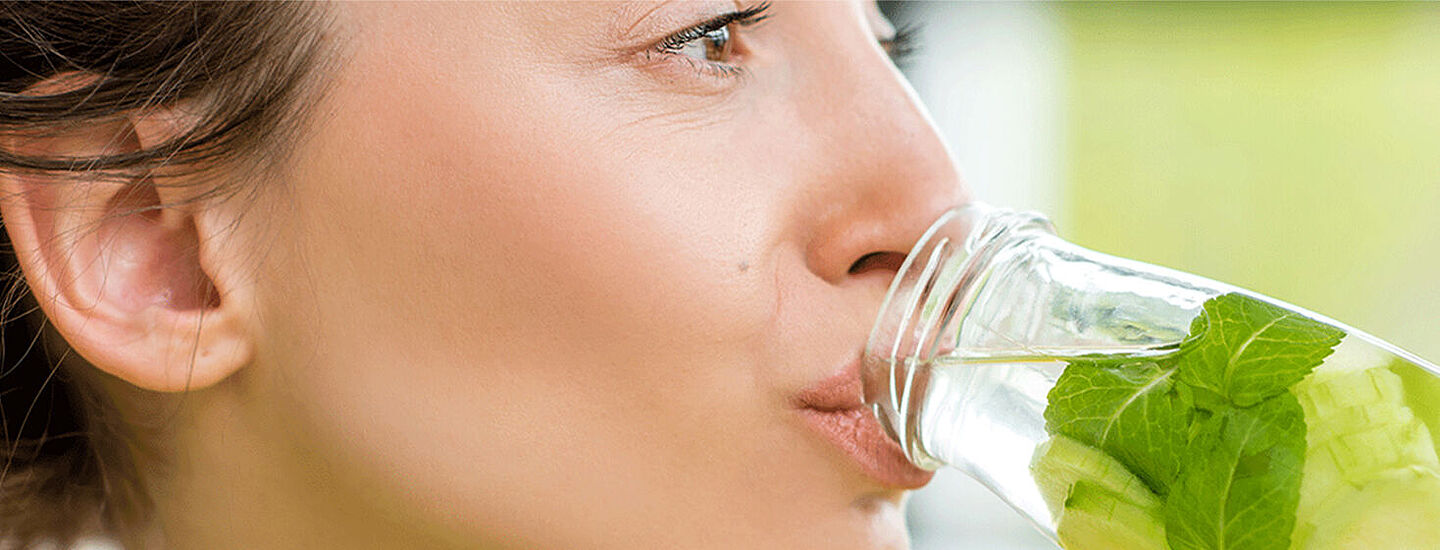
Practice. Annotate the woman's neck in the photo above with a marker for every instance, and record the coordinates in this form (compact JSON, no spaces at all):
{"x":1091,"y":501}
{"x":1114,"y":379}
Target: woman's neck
{"x":239,"y":475}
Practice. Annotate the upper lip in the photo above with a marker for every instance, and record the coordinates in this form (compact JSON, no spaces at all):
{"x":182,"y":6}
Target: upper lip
{"x":841,"y":391}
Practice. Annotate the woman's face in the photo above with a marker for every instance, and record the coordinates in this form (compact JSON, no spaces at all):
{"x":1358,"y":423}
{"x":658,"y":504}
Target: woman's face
{"x":541,"y":282}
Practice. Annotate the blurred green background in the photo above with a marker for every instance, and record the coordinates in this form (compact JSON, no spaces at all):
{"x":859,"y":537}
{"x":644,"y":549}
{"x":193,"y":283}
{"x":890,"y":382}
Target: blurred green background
{"x":1289,"y":148}
{"x":1292,"y":149}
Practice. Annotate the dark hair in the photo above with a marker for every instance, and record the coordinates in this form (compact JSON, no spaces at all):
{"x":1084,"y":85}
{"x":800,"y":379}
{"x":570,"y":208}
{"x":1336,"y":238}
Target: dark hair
{"x":244,"y":71}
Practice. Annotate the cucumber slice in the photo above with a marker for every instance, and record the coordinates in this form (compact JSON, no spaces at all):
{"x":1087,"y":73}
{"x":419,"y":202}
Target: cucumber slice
{"x":1359,"y":429}
{"x":1096,"y":518}
{"x":1353,"y":403}
{"x":1061,"y":462}
{"x":1321,"y":482}
{"x":1352,"y":354}
{"x":1359,"y":420}
{"x":1360,"y":456}
{"x":1422,"y":392}
{"x":1396,"y":511}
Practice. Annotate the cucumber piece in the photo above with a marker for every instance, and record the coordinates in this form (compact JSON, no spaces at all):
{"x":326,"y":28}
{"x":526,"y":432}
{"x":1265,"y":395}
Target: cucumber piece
{"x":1359,"y":429}
{"x":1097,"y":502}
{"x":1352,"y":354}
{"x":1096,"y":518}
{"x":1354,"y":402}
{"x":1061,"y":462}
{"x":1396,"y":511}
{"x":1360,"y":456}
{"x":1321,"y":482}
{"x":1422,"y":393}
{"x":1359,"y":420}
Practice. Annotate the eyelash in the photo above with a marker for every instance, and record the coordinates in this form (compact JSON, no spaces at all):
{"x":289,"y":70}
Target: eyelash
{"x":675,"y":43}
{"x":901,"y":47}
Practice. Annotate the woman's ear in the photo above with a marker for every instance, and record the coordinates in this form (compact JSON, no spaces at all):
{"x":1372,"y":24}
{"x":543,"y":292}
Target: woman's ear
{"x":132,"y":273}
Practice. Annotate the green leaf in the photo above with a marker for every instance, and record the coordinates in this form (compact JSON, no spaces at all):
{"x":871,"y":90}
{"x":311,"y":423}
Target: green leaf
{"x":1239,"y":487}
{"x":1129,"y":409}
{"x":1246,"y":350}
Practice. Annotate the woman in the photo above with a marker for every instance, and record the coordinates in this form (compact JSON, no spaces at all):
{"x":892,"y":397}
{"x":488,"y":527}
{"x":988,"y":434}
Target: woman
{"x":536,"y":275}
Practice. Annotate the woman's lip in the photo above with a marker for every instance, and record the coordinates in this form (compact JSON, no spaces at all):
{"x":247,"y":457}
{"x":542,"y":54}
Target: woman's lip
{"x":838,"y":392}
{"x":834,"y":408}
{"x":858,"y":434}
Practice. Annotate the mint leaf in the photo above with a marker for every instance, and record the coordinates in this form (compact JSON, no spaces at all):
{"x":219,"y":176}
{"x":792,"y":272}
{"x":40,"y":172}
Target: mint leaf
{"x":1246,"y":350}
{"x":1239,"y":488}
{"x":1128,"y":408}
{"x":1211,"y":428}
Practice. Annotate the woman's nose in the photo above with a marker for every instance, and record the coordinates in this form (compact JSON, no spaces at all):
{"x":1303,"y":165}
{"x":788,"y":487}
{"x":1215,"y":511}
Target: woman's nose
{"x":891,"y":174}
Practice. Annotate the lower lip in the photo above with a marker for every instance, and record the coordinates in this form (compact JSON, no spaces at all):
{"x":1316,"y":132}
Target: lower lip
{"x":860,"y":436}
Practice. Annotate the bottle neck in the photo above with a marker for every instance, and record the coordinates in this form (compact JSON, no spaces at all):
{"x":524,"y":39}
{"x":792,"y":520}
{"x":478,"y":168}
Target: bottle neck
{"x":993,"y":287}
{"x":935,"y":288}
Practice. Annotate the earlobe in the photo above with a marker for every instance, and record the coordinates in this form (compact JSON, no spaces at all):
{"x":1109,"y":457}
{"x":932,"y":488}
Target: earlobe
{"x":123,"y":266}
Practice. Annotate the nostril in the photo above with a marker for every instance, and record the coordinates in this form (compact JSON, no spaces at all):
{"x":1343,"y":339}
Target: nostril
{"x":886,"y":261}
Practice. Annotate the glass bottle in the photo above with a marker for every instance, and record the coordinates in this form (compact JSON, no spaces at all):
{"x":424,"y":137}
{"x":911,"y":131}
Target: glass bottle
{"x":1117,"y":404}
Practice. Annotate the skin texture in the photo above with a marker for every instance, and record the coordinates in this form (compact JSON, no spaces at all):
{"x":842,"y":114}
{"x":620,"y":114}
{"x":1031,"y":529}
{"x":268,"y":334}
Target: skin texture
{"x":528,"y":283}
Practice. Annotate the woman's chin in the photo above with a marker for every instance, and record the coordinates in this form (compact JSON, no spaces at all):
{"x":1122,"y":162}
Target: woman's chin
{"x":883,"y":521}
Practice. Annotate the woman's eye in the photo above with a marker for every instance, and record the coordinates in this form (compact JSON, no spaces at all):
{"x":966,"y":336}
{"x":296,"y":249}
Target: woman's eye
{"x":903,"y":44}
{"x":711,"y":46}
{"x":711,"y":41}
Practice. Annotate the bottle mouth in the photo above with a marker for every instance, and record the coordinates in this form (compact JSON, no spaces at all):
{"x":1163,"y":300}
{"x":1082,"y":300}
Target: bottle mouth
{"x":916,"y":320}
